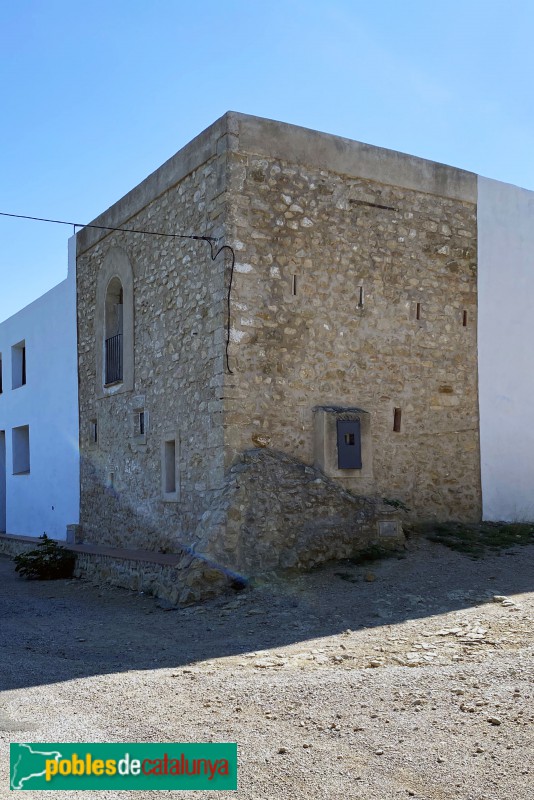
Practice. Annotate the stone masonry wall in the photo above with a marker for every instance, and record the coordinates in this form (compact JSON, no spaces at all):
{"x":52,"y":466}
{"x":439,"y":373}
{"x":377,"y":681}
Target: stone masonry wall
{"x":348,"y":292}
{"x":352,"y":292}
{"x":274,"y":512}
{"x":178,"y":365}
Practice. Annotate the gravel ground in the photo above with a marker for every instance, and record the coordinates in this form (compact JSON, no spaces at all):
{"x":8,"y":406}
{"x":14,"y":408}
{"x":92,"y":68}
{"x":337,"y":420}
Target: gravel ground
{"x":408,"y":677}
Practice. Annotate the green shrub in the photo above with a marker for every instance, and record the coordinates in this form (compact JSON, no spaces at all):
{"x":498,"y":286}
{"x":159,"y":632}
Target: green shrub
{"x":47,"y":562}
{"x":474,"y":539}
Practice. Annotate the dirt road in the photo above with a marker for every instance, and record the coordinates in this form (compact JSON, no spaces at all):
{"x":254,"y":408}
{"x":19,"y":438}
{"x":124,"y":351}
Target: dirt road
{"x":405,"y":678}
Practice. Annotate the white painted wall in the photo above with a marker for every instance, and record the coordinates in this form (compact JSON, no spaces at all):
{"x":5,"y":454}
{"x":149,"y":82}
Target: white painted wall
{"x":46,"y":499}
{"x":2,"y":480}
{"x":506,"y":349}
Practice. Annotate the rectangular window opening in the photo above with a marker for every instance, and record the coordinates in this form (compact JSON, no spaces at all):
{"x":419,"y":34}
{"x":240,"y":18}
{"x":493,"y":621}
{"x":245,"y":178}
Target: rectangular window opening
{"x":140,"y":424}
{"x":94,"y":431}
{"x":170,"y":466}
{"x":349,"y":444}
{"x":360,"y":297}
{"x":464,"y":319}
{"x":418,"y":311}
{"x":21,"y":450}
{"x":397,"y":413}
{"x":18,"y":365}
{"x":294,"y":286}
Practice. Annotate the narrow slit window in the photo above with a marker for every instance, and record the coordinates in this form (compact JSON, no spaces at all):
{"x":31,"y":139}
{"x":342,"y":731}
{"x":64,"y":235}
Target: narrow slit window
{"x":464,"y":319}
{"x":94,"y":431}
{"x":170,"y":466}
{"x":360,"y":297}
{"x":294,"y":286}
{"x":397,"y":414}
{"x":418,"y":311}
{"x":140,"y":424}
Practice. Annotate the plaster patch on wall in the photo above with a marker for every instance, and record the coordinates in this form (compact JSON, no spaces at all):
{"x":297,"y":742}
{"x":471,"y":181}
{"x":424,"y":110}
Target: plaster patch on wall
{"x":235,"y":335}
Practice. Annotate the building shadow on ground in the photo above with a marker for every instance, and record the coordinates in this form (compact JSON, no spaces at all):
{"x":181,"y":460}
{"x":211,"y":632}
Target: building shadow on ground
{"x":62,"y":630}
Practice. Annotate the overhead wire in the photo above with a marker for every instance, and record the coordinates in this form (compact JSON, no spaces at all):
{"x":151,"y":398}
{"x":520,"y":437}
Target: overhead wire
{"x":211,"y":241}
{"x":110,"y":227}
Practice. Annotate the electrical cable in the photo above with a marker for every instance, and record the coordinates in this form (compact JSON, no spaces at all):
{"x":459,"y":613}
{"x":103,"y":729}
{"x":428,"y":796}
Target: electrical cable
{"x":109,"y":227}
{"x":211,"y":240}
{"x":228,"y":296}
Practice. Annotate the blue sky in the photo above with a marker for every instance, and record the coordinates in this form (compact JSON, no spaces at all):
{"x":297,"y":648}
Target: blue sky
{"x":95,"y":96}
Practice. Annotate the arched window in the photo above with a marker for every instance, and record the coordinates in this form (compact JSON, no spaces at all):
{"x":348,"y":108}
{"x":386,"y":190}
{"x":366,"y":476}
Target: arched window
{"x":113,"y":338}
{"x":114,"y":325}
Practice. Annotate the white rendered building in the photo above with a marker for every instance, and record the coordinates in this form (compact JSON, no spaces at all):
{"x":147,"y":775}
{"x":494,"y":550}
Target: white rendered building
{"x":505,"y":221}
{"x":39,"y":450}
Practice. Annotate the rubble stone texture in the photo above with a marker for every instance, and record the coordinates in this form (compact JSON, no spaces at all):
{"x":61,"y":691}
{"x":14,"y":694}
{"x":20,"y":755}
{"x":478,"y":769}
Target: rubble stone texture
{"x":354,"y":285}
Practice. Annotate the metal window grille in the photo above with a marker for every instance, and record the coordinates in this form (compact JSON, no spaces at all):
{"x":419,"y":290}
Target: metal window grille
{"x":114,"y":359}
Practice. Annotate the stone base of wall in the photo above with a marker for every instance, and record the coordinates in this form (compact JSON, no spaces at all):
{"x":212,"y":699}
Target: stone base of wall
{"x":13,"y":545}
{"x":164,"y":575}
{"x":179,"y":578}
{"x":273,"y":513}
{"x":160,"y":580}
